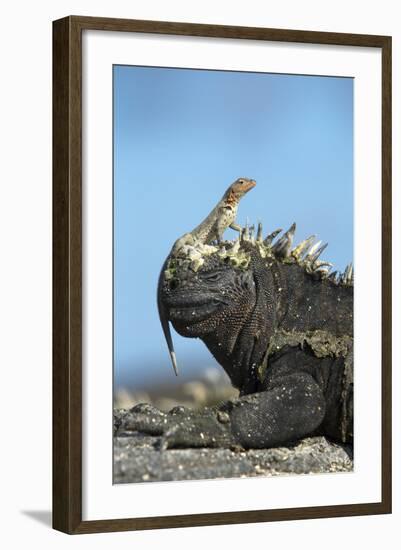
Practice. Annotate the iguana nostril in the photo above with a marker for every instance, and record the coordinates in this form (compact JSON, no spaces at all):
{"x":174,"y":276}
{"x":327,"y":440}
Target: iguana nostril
{"x":174,"y":284}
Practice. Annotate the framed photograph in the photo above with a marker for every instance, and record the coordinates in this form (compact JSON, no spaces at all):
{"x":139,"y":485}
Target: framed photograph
{"x":212,"y":362}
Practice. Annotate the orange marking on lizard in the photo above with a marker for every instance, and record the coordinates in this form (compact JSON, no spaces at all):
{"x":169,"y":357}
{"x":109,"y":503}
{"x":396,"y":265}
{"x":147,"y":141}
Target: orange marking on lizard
{"x":233,"y":198}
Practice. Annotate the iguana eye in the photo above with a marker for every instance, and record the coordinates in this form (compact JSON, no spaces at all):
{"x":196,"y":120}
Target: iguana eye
{"x":212,"y":276}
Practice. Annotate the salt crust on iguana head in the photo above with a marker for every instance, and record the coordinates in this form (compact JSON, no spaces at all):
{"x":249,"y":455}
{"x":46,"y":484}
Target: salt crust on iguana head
{"x":306,"y":254}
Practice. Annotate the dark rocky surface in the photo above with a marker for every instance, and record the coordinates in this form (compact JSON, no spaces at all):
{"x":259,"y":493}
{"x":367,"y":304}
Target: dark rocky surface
{"x":138,"y":458}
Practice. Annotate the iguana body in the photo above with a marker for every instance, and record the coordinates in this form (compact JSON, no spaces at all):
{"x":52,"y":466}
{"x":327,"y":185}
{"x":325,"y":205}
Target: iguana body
{"x":282,"y":328}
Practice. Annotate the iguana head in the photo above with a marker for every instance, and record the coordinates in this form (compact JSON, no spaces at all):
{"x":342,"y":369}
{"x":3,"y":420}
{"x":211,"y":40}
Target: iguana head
{"x":230,"y":294}
{"x":206,"y":286}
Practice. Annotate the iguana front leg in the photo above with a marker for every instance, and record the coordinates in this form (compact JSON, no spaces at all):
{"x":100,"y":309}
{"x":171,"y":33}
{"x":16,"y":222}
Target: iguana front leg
{"x":290,"y":409}
{"x":180,"y":427}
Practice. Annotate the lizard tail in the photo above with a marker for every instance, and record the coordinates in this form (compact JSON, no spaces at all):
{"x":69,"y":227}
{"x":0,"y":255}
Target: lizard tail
{"x":166,"y":326}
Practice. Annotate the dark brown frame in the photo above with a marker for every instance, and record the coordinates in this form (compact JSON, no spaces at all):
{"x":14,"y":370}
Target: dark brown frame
{"x":67,"y":278}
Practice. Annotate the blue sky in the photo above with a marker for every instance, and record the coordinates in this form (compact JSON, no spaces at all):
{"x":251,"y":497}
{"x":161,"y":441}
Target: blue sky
{"x":181,"y":136}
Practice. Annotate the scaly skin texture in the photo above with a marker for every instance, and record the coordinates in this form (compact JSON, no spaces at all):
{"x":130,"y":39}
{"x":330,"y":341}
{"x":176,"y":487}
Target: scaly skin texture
{"x":280,"y":325}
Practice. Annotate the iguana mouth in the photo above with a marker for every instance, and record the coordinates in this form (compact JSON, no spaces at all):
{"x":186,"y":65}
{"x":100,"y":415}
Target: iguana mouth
{"x":187,"y":300}
{"x":190,"y":313}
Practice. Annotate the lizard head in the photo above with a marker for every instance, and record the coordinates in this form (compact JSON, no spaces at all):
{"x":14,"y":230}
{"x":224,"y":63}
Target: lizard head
{"x":240,"y":187}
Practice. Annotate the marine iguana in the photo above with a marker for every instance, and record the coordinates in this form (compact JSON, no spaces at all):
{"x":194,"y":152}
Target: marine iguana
{"x":280,"y":324}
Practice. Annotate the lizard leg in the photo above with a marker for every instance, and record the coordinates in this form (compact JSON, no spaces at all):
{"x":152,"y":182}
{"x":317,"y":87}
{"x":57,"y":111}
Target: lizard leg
{"x":220,"y":228}
{"x":290,"y":409}
{"x":236,"y":227}
{"x":187,"y":238}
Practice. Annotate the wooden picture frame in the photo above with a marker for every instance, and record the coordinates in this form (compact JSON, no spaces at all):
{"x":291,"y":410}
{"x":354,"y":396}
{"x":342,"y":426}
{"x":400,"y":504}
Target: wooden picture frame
{"x":67,"y":273}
